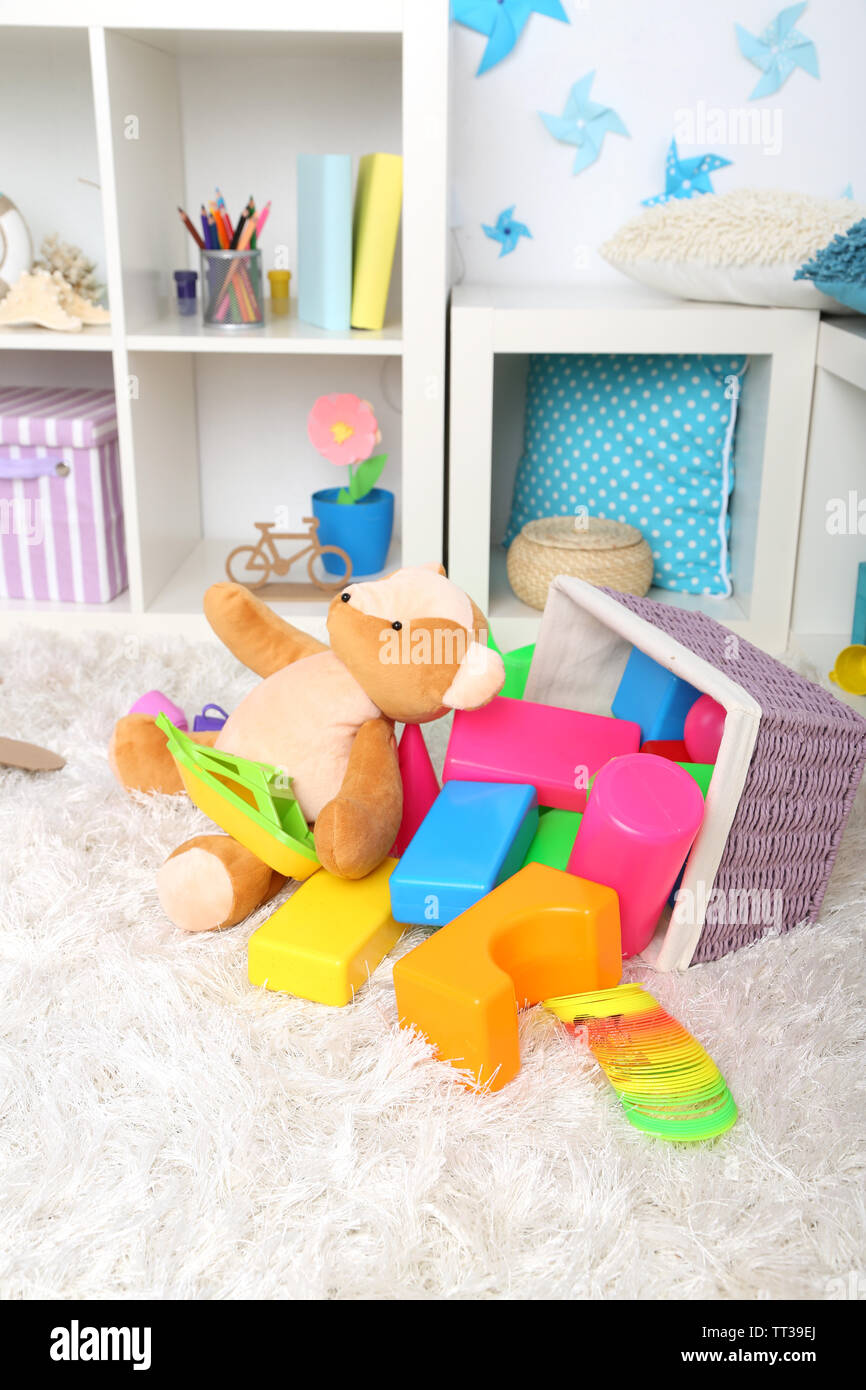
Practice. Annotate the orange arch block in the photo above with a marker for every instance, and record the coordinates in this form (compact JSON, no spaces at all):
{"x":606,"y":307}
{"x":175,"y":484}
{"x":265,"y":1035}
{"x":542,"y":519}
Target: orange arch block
{"x":542,"y":932}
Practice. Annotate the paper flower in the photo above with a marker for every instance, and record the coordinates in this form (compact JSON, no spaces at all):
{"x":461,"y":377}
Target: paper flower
{"x":502,"y":21}
{"x":778,"y":51}
{"x":583,"y":123}
{"x":343,"y":429}
{"x":686,"y":177}
{"x":506,"y":231}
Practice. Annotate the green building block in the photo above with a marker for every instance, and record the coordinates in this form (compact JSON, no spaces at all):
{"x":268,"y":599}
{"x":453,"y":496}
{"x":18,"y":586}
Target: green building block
{"x":702,"y":772}
{"x":554,"y":838}
{"x":517,"y":664}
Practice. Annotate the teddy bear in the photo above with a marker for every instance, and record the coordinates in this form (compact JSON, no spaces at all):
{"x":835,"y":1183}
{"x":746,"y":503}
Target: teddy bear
{"x":404,"y":649}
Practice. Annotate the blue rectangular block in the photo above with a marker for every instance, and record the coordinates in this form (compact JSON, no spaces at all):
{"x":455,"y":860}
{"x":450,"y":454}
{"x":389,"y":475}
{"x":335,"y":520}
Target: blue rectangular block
{"x":653,"y":697}
{"x":858,"y":628}
{"x":475,"y":835}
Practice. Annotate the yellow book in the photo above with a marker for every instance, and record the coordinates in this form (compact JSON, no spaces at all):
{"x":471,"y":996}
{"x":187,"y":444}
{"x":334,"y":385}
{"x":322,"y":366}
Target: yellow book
{"x":374,"y":236}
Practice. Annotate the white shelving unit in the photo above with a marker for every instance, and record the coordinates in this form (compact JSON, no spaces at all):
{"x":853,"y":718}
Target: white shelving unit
{"x":492,"y":332}
{"x":835,"y":483}
{"x":170,"y":101}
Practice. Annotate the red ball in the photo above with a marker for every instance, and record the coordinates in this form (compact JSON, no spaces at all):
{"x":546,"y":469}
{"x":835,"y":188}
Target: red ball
{"x":705,"y":724}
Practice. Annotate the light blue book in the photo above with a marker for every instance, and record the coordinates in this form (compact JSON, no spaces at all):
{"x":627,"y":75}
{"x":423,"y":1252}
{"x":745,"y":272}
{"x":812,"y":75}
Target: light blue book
{"x":325,"y":239}
{"x":858,"y":633}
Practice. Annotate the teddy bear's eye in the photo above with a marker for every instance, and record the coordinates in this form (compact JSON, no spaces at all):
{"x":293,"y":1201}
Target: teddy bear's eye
{"x":396,"y":626}
{"x":345,"y":597}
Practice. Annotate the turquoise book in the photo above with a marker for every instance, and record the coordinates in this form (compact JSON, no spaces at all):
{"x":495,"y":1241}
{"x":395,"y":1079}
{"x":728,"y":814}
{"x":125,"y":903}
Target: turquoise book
{"x":325,"y":239}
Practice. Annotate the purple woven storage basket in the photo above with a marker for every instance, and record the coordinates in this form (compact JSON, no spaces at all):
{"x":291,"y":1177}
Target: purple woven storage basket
{"x":805,"y":769}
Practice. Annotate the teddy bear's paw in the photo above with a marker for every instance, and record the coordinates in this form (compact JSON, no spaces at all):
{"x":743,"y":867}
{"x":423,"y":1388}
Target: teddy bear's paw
{"x":139,"y":756}
{"x":212,"y":881}
{"x":351,"y":840}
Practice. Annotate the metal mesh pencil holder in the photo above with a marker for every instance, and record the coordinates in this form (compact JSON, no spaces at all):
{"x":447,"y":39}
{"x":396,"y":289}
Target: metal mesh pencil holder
{"x":232,"y":289}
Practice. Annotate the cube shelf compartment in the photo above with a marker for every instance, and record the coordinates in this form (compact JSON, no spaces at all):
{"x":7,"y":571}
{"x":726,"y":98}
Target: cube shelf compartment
{"x":493,"y":330}
{"x":833,"y":528}
{"x":212,"y":425}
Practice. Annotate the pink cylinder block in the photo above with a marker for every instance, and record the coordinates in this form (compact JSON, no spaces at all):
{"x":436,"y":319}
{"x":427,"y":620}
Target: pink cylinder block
{"x":705,"y":724}
{"x":154,"y":702}
{"x":636,"y":832}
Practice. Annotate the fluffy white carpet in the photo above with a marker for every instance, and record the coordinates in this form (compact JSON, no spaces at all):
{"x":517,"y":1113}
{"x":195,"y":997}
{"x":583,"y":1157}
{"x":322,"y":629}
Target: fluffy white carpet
{"x":167,"y":1131}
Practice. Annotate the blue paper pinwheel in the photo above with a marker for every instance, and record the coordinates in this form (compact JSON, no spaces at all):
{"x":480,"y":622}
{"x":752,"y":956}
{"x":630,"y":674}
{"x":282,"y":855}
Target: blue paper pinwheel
{"x":506,"y":231}
{"x":778,"y":51}
{"x":583,"y":123}
{"x":686,"y":177}
{"x":502,"y":21}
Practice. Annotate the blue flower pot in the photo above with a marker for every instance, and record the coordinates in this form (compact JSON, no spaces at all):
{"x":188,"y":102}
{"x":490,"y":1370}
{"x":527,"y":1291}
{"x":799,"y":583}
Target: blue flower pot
{"x":363,"y":529}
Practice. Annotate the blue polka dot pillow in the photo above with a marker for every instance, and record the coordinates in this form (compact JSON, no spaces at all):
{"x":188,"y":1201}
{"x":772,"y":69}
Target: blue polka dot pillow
{"x":642,"y":439}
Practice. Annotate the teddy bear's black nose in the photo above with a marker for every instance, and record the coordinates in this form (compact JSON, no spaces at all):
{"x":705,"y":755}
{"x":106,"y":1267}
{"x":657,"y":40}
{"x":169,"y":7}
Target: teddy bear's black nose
{"x":345,"y":597}
{"x":396,"y":626}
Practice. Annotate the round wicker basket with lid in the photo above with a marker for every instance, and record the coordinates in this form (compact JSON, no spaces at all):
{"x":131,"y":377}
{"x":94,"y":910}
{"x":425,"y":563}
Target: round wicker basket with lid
{"x":608,"y":553}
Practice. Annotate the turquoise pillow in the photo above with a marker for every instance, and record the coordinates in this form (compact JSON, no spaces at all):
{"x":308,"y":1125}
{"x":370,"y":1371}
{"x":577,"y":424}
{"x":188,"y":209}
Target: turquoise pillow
{"x":839,"y":268}
{"x":645,"y":439}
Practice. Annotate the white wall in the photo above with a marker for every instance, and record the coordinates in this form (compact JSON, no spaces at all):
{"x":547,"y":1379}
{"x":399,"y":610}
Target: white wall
{"x":654,"y":60}
{"x":48,"y":137}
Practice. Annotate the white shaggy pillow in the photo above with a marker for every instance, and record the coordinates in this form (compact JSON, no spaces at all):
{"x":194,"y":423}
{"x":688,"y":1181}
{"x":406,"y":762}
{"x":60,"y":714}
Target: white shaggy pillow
{"x":741,"y":247}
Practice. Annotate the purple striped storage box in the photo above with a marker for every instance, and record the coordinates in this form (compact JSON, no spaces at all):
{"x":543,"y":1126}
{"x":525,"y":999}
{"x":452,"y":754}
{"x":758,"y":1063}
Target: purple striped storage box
{"x":61,"y":512}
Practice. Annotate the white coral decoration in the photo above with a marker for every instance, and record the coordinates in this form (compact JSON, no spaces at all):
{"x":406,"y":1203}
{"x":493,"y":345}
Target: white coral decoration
{"x":47,"y":300}
{"x":77,"y":269}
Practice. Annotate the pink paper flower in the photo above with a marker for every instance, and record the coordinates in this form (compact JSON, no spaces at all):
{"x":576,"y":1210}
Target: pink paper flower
{"x":343,"y":428}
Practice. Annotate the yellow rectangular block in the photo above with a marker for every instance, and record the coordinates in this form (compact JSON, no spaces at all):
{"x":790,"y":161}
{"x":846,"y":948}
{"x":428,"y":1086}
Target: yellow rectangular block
{"x":327,"y":937}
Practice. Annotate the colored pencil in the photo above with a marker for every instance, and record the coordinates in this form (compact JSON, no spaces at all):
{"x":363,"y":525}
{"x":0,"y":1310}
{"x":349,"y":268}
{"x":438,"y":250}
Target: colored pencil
{"x":225,"y":225}
{"x":196,"y":236}
{"x":203,"y":216}
{"x":221,"y":204}
{"x":239,"y":229}
{"x":263,"y":217}
{"x":218,"y":226}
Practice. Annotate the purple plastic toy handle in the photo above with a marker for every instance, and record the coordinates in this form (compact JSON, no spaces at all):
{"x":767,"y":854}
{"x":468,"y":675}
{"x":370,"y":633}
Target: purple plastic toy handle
{"x":205,"y":721}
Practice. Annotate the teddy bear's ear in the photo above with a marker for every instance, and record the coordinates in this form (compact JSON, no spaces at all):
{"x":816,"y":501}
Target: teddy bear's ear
{"x":435,"y":566}
{"x":480,"y":676}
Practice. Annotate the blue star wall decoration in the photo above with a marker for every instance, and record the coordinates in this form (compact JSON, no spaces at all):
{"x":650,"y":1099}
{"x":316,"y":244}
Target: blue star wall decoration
{"x":507,"y":231}
{"x":778,"y":51}
{"x":583,"y":123}
{"x":502,"y":21}
{"x":686,"y":177}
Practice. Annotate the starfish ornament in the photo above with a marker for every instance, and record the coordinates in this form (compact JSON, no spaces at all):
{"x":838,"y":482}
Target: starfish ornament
{"x":507,"y":231}
{"x":583,"y":123}
{"x":502,"y":21}
{"x":778,"y":51}
{"x":686,"y":177}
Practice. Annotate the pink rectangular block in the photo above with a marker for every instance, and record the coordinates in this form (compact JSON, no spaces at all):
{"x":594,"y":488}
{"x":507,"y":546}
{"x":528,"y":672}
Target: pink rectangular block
{"x":554,"y":750}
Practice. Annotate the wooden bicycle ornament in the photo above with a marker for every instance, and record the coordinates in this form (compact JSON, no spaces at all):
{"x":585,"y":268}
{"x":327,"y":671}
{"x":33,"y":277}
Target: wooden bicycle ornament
{"x":254,"y":565}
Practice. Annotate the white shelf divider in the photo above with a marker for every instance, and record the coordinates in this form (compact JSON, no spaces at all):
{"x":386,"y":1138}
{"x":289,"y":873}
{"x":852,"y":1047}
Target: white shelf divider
{"x":170,"y":333}
{"x":96,"y":338}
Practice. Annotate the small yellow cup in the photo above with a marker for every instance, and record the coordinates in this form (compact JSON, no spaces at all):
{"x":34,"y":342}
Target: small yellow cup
{"x":279,"y":292}
{"x":850,"y":670}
